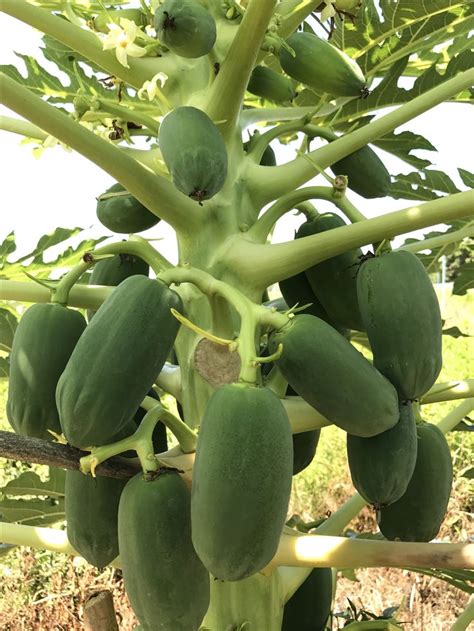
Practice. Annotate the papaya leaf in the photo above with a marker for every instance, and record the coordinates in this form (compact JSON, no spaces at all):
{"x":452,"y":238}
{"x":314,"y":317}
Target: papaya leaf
{"x":8,"y":324}
{"x":32,"y":512}
{"x":388,"y":92}
{"x":48,"y":240}
{"x":466,"y":177}
{"x":29,"y":483}
{"x":401,"y":145}
{"x":464,"y":279}
{"x":422,"y":186}
{"x":387,"y":31}
{"x":6,"y":248}
{"x":462,"y":579}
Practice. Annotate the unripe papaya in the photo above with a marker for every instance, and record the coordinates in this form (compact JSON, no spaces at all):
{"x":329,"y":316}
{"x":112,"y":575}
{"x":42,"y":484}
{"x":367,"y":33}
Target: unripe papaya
{"x":112,"y":271}
{"x":309,"y":607}
{"x":334,"y":280}
{"x":268,"y":158}
{"x":304,"y":449}
{"x":185,"y":27}
{"x":297,"y":290}
{"x":117,"y":361}
{"x":332,"y":376}
{"x":42,"y":345}
{"x":270,"y":85}
{"x":123,"y":213}
{"x":91,"y":507}
{"x":166,"y":583}
{"x":381,"y":466}
{"x":366,"y":173}
{"x":194,"y":152}
{"x":401,"y":314}
{"x":112,"y":16}
{"x":241,"y":481}
{"x":419,"y":513}
{"x":322,"y":67}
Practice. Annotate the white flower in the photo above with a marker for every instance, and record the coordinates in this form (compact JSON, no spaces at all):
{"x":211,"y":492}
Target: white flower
{"x":328,"y":11}
{"x":151,"y":88}
{"x":122,"y":38}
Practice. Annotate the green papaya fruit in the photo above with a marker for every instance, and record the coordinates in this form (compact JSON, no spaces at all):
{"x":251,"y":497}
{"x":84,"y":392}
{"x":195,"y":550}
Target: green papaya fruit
{"x":270,"y":85}
{"x":166,"y":583}
{"x":112,"y":16}
{"x":112,"y":271}
{"x":185,"y":27}
{"x":401,"y":314}
{"x":120,"y":212}
{"x":268,"y":158}
{"x":381,"y":466}
{"x":297,"y":290}
{"x":322,"y":67}
{"x":334,"y":281}
{"x":332,"y":376}
{"x":241,"y":481}
{"x":304,"y":449}
{"x":419,"y":513}
{"x":367,"y":174}
{"x":194,"y":152}
{"x":309,"y":607}
{"x":91,"y":507}
{"x":117,"y":360}
{"x":43,"y":342}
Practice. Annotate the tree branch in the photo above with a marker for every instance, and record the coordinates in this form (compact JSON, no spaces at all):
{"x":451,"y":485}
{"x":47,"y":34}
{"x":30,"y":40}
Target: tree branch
{"x":261,"y":265}
{"x":153,"y":191}
{"x":27,"y":449}
{"x":270,"y":183}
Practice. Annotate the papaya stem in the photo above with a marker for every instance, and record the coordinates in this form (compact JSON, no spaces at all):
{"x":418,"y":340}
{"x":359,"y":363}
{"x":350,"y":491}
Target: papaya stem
{"x":250,"y":314}
{"x":169,"y":380}
{"x":184,"y":434}
{"x":227,"y":93}
{"x":262,"y":265}
{"x":22,"y":127}
{"x":263,"y":226}
{"x":438,"y":242}
{"x":197,"y":329}
{"x":282,"y":179}
{"x":449,"y":391}
{"x":154,"y":191}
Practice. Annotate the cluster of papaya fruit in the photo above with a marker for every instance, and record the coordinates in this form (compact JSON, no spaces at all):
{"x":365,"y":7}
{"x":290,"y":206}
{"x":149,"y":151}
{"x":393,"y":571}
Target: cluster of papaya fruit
{"x":391,"y":456}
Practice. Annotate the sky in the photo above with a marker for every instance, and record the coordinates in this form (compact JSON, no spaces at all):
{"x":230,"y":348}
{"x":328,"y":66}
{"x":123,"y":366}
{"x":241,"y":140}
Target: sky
{"x":60,"y":188}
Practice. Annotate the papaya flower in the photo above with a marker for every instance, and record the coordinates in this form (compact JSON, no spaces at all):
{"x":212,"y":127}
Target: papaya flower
{"x":122,"y":37}
{"x":150,"y":88}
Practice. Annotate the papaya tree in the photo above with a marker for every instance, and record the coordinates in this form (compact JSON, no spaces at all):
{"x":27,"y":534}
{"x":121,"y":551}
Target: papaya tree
{"x":184,"y":104}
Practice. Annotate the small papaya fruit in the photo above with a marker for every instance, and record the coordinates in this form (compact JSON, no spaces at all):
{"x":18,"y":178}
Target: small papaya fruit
{"x":185,"y":27}
{"x":309,"y":607}
{"x":367,"y":174}
{"x":322,"y":67}
{"x":113,"y":16}
{"x":120,"y":212}
{"x":270,"y":85}
{"x":194,"y":152}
